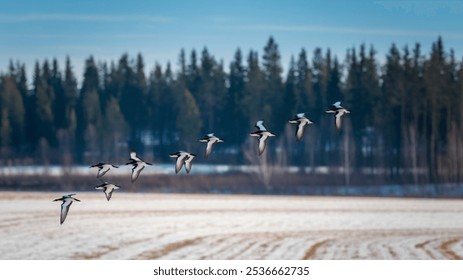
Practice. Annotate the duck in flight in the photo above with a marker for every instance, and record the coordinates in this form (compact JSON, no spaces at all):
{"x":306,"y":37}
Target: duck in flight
{"x":263,"y":135}
{"x":103,"y":168}
{"x":183,"y":158}
{"x":67,"y":201}
{"x":138,"y":165}
{"x":107,"y":189}
{"x":301,"y":121}
{"x":210,"y":139}
{"x":339,"y":111}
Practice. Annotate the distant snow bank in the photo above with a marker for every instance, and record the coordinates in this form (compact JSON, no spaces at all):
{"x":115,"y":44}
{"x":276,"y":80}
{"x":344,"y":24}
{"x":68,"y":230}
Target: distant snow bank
{"x":303,"y":183}
{"x":56,"y":170}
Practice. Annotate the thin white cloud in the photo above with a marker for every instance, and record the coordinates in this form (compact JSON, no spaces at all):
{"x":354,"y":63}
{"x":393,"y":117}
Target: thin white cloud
{"x":82,"y":35}
{"x":423,"y":7}
{"x":350,"y":30}
{"x":7,"y":18}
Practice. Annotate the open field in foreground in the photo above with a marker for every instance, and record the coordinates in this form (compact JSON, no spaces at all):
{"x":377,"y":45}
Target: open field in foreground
{"x":172,"y":226}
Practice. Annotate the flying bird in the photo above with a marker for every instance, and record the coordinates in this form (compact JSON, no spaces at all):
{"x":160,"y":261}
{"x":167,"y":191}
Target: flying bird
{"x":67,"y":201}
{"x":263,"y":135}
{"x":210,"y":139}
{"x":339,"y":111}
{"x":138,"y":165}
{"x":183,"y":158}
{"x":103,"y":168}
{"x":302,"y":121}
{"x":107,"y":189}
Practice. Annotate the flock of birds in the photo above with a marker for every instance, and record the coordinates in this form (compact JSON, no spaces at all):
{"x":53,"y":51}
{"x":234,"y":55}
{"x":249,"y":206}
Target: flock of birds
{"x":185,"y":158}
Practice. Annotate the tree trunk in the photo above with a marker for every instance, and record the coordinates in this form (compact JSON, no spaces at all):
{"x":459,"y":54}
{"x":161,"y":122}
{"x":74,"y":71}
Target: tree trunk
{"x":346,"y":154}
{"x":413,"y":152}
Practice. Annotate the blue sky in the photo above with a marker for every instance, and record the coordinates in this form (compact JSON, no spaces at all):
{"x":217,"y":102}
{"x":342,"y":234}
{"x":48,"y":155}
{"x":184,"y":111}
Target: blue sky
{"x":35,"y":30}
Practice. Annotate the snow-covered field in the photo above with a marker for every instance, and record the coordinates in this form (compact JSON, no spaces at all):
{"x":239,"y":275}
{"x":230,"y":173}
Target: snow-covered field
{"x":174,"y":226}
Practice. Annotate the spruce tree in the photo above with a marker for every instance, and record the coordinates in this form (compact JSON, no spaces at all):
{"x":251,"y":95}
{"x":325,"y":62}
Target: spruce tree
{"x":44,"y":99}
{"x":155,"y":107}
{"x":206,"y":95}
{"x":89,"y":114}
{"x":303,"y":82}
{"x":70,"y":95}
{"x":188,"y":121}
{"x":273,"y":87}
{"x":254,"y":104}
{"x":392,"y":108}
{"x":114,"y":130}
{"x":234,"y":113}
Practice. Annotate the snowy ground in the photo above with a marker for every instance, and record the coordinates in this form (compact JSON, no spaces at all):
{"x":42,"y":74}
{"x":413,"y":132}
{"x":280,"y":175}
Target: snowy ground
{"x":170,"y":226}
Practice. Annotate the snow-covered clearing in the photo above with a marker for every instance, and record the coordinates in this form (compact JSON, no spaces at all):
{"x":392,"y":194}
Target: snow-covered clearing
{"x":179,"y":226}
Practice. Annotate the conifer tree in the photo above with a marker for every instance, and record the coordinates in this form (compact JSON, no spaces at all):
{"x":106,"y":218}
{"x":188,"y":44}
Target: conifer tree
{"x":291,"y":98}
{"x":319,"y":83}
{"x":133,"y":98}
{"x":303,"y":82}
{"x":219,"y":90}
{"x":273,"y":87}
{"x":89,"y":113}
{"x":114,"y":130}
{"x":168,"y":112}
{"x":193,"y":76}
{"x":392,"y":108}
{"x":207,"y":96}
{"x":362,"y":94}
{"x":188,"y":121}
{"x":434,"y":73}
{"x":182,"y":75}
{"x":12,"y":106}
{"x":44,"y":99}
{"x":254,"y":104}
{"x":304,"y":90}
{"x":234,"y":114}
{"x":5,"y":130}
{"x":156,"y":106}
{"x":70,"y":94}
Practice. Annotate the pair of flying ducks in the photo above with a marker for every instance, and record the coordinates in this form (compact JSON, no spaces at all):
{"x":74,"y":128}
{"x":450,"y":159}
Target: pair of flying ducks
{"x":137,"y":163}
{"x":67,"y":200}
{"x":185,"y":159}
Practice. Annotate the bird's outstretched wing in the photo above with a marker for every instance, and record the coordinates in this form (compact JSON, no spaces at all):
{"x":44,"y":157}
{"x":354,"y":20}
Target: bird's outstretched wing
{"x":300,"y":131}
{"x":108,"y":193}
{"x":136,"y":171}
{"x":102,"y":171}
{"x":65,"y":209}
{"x":188,"y":162}
{"x":338,"y":120}
{"x":179,"y":163}
{"x":262,"y":143}
{"x":210,"y":143}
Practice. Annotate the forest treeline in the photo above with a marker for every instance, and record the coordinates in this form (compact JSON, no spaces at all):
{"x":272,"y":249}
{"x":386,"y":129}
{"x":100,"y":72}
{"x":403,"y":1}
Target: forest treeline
{"x":405,"y":122}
